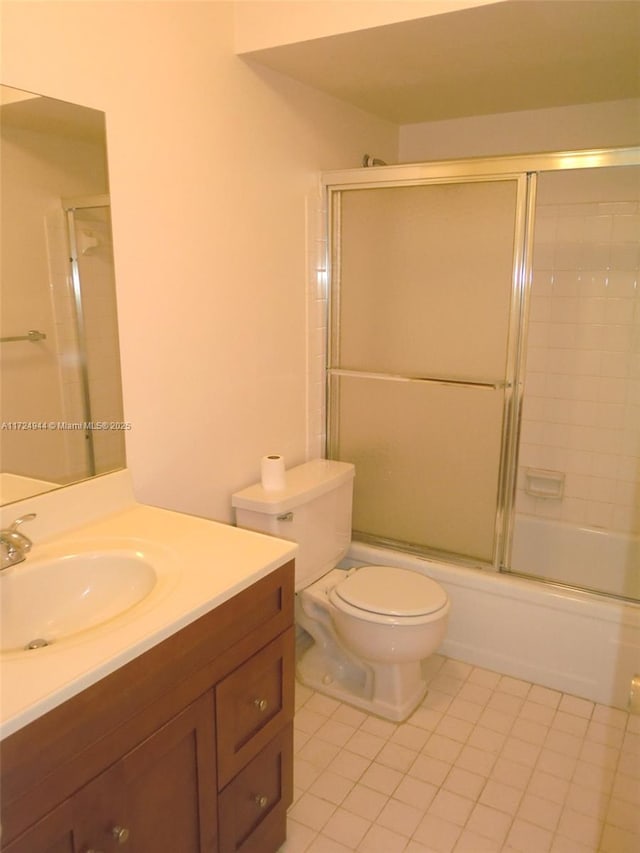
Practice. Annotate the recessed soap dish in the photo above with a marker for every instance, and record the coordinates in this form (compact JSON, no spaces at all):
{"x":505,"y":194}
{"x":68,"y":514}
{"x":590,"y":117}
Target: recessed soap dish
{"x":542,"y":483}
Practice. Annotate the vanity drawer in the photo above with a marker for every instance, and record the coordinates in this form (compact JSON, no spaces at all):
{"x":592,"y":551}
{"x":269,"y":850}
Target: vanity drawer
{"x":252,"y":704}
{"x":252,"y":809}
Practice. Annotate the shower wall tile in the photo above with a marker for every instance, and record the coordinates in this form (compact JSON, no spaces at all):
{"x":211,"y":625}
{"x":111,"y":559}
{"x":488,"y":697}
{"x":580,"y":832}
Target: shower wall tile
{"x":581,"y":414}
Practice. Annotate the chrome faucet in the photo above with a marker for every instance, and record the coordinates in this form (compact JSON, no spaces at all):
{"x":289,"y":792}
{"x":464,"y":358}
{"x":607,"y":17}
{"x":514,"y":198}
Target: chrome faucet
{"x":14,"y":546}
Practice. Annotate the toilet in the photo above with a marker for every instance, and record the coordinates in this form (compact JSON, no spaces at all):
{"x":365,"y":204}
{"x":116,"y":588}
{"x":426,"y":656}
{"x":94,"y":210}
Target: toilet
{"x":372,"y":626}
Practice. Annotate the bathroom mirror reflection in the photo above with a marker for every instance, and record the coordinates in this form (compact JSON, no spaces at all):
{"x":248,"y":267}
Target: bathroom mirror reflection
{"x":60,"y":388}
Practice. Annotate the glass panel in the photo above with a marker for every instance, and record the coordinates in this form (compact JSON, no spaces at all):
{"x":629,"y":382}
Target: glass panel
{"x":422,"y":270}
{"x":427,"y":458}
{"x":578,"y":499}
{"x":423,"y":289}
{"x":96,"y":311}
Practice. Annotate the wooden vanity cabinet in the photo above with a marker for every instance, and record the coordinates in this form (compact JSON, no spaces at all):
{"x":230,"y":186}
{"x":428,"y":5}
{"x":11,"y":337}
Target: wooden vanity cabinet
{"x":162,"y":792}
{"x":187,"y":749}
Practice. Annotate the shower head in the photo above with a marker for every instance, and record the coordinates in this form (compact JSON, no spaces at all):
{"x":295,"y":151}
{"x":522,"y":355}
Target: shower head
{"x":368,"y":160}
{"x":87,"y":240}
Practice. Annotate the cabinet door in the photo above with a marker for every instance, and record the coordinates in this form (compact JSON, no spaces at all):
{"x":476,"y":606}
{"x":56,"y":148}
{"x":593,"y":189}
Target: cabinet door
{"x":53,"y":834}
{"x":253,"y":704}
{"x":84,"y":823}
{"x":253,"y":806}
{"x":169,"y":785}
{"x":99,"y":809}
{"x":159,"y":798}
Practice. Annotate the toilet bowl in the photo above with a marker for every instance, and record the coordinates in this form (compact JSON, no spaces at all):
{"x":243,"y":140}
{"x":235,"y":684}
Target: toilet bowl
{"x":371,"y":626}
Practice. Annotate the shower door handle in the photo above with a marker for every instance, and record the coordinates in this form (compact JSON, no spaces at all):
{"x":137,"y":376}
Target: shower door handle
{"x":491,"y":384}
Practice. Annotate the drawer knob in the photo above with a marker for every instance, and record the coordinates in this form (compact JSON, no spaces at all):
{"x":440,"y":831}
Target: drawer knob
{"x":121,"y":834}
{"x":261,"y":704}
{"x":261,"y":801}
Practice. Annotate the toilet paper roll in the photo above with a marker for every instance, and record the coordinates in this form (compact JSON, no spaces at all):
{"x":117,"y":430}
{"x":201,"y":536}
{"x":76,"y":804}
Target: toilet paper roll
{"x":273,"y":475}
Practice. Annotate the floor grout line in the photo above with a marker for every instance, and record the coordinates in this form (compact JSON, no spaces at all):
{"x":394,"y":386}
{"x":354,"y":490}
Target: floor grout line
{"x":485,"y":788}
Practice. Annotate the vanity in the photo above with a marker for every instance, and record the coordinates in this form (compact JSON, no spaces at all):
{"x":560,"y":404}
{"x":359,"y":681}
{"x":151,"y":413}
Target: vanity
{"x":169,"y":726}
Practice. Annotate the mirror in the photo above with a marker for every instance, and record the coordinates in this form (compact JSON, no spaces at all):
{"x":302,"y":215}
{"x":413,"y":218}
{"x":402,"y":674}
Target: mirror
{"x":60,"y":389}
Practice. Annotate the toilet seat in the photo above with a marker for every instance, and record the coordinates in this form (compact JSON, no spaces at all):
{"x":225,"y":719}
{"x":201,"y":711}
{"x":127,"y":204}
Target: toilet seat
{"x":390,"y":594}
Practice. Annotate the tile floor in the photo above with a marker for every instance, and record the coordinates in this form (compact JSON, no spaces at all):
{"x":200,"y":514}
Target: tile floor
{"x":486,"y":763}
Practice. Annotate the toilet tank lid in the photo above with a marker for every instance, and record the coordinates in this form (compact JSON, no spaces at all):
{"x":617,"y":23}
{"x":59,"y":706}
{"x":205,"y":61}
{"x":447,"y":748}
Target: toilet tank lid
{"x":302,"y":484}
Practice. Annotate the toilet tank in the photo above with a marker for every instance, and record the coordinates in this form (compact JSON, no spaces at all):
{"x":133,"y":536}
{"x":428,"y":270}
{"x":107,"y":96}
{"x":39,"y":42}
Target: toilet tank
{"x":314,"y":510}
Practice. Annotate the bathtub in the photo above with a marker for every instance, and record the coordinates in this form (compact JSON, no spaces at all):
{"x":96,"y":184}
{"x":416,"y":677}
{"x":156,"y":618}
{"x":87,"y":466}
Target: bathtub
{"x":577,"y":556}
{"x":576,"y":642}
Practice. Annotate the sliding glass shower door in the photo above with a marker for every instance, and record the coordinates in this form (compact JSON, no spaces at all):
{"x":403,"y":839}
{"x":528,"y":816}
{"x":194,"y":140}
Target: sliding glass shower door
{"x":426,"y":294}
{"x":94,"y":386}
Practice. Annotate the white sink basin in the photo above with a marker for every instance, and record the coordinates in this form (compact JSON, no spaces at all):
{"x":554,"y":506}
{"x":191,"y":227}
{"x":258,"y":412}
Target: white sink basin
{"x":44,"y":601}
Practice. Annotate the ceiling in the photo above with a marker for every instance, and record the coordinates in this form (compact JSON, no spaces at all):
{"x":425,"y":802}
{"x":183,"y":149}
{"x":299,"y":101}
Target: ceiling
{"x":502,"y":57}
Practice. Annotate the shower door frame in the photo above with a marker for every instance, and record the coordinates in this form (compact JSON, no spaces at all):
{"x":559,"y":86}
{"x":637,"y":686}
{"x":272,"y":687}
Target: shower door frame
{"x":524,"y":169}
{"x":70,"y":206}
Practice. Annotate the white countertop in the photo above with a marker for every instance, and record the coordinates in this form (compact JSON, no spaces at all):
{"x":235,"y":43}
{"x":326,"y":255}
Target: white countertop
{"x":200,"y":564}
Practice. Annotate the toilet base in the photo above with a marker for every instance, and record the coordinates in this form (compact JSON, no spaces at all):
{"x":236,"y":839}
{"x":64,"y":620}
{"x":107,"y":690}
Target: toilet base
{"x":392,"y":692}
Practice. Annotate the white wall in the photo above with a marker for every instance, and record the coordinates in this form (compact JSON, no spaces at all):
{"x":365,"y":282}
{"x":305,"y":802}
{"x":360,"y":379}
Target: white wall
{"x":604,"y":125}
{"x":212,"y":162}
